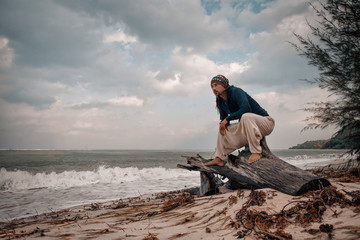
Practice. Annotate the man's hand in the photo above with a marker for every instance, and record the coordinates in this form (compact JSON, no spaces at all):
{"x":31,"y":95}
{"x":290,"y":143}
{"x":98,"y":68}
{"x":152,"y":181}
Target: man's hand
{"x":223,"y":127}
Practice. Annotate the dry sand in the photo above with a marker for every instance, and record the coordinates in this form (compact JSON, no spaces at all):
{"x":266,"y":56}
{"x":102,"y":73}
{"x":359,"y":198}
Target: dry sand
{"x":227,"y":215}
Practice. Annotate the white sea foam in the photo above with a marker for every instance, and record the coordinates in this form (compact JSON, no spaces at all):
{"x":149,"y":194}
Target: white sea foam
{"x":22,"y":180}
{"x":308,"y":162}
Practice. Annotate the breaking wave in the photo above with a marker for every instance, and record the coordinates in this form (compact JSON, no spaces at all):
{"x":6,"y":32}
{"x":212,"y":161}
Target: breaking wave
{"x":22,"y":180}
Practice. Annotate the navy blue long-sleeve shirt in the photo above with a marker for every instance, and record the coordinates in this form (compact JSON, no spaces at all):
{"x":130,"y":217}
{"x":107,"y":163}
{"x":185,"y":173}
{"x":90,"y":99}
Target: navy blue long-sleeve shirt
{"x":237,"y":103}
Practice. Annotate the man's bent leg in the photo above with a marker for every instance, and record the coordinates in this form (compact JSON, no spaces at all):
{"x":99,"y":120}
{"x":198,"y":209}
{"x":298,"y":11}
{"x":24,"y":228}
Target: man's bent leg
{"x":255,"y":127}
{"x":232,"y":140}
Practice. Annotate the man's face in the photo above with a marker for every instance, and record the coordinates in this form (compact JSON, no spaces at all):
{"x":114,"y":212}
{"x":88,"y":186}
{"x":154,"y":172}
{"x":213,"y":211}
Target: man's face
{"x":217,"y":88}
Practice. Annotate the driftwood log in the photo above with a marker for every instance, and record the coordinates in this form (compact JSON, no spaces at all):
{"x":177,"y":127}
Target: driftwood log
{"x":269,"y":172}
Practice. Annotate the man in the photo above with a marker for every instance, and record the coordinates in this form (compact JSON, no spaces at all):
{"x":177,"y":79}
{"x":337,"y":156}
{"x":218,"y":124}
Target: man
{"x":253,"y":122}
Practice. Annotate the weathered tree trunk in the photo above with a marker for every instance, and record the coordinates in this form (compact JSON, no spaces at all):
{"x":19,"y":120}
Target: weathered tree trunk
{"x":208,"y":185}
{"x":269,"y":172}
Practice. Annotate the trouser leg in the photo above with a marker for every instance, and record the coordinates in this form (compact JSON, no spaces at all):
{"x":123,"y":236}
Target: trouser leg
{"x":232,"y":140}
{"x":255,"y":127}
{"x":250,"y":130}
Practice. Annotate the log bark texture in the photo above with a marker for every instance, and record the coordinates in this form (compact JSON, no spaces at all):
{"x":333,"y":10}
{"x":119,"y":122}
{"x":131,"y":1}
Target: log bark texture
{"x":269,"y":172}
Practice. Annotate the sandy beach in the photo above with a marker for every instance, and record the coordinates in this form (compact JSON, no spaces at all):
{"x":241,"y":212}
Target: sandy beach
{"x":330,"y":213}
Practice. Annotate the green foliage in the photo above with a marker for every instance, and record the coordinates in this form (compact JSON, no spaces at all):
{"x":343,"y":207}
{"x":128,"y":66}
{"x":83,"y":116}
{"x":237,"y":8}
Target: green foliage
{"x":334,"y":48}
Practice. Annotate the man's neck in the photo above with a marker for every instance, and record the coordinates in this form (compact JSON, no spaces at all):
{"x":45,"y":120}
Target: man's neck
{"x":224,"y":95}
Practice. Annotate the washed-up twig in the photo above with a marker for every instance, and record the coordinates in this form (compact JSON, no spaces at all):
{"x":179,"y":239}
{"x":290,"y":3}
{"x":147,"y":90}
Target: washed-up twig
{"x":19,"y":234}
{"x":64,"y":224}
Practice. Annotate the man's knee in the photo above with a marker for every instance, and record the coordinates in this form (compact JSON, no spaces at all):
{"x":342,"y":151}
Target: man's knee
{"x":246,"y":117}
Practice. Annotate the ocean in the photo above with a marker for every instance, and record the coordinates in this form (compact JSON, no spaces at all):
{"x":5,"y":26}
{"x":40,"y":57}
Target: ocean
{"x":38,"y":181}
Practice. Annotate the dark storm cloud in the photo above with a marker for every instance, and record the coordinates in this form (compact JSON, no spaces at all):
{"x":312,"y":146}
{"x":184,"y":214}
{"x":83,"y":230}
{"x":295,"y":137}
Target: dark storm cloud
{"x":26,"y":87}
{"x":29,"y":96}
{"x":43,"y":33}
{"x":162,"y":24}
{"x":63,"y":40}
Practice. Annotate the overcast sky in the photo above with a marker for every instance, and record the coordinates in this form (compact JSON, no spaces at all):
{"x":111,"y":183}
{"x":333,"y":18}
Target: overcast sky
{"x":112,"y":74}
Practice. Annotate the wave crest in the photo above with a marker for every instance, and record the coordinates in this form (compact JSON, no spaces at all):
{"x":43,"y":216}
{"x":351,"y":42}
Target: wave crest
{"x":22,"y":180}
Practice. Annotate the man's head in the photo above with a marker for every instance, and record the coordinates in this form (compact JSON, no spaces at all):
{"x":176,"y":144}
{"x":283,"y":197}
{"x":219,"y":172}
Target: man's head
{"x":219,"y":84}
{"x":222,"y":79}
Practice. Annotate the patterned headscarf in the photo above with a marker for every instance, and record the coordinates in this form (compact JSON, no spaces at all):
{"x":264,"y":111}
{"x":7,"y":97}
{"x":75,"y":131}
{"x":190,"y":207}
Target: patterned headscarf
{"x":221,"y":78}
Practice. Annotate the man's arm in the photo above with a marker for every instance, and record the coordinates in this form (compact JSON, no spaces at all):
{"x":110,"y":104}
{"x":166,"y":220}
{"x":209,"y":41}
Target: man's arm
{"x":223,"y":127}
{"x":223,"y":114}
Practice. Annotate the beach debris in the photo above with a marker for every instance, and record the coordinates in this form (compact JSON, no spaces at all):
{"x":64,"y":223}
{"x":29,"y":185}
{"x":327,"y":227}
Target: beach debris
{"x":303,"y":213}
{"x":240,"y":193}
{"x":241,"y":234}
{"x":232,"y":200}
{"x":23,"y":234}
{"x":178,"y":235}
{"x":342,"y":174}
{"x":120,"y":204}
{"x":179,"y":200}
{"x":64,"y":224}
{"x":271,"y":194}
{"x":187,"y":219}
{"x":326,"y":228}
{"x":94,"y":206}
{"x":151,"y":236}
{"x":207,"y":230}
{"x":355,"y":196}
{"x":257,"y":198}
{"x":130,"y":235}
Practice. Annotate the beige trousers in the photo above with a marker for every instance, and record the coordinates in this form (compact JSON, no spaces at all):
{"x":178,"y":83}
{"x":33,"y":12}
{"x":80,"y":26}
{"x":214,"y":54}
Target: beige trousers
{"x":249,"y":131}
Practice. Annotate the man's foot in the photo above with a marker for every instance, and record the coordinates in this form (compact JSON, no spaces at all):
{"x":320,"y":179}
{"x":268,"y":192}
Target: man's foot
{"x":254,"y":157}
{"x":216,"y":162}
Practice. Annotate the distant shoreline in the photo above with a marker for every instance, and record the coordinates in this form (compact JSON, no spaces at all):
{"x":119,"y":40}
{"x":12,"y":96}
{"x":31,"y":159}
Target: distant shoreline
{"x":322,"y":144}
